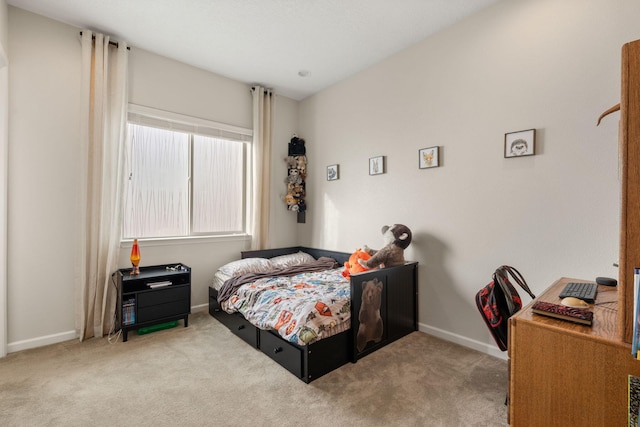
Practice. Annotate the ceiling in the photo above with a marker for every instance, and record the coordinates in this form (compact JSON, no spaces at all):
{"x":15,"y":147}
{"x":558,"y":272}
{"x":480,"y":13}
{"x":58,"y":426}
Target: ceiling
{"x":297,"y":47}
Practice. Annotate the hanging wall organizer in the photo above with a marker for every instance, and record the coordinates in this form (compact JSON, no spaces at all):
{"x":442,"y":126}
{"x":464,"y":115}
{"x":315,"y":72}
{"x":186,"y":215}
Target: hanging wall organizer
{"x":296,"y":175}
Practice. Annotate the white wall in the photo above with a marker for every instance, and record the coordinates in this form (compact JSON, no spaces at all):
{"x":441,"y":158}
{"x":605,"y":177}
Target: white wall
{"x":4,"y":23}
{"x":4,"y":145}
{"x":545,"y":64}
{"x":43,"y":156}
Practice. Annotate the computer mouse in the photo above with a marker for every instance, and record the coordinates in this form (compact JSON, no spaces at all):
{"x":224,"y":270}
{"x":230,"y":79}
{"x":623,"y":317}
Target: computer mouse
{"x":574,"y":302}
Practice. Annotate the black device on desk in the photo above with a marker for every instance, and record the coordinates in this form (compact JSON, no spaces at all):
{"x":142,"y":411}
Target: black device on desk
{"x":581,"y":290}
{"x":606,"y":281}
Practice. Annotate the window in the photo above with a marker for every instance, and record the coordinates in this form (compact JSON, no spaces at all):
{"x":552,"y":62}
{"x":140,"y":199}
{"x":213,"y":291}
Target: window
{"x":184,"y":181}
{"x":218,"y":172}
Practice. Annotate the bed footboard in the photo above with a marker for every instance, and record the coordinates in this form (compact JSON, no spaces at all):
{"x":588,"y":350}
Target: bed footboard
{"x":384,"y":307}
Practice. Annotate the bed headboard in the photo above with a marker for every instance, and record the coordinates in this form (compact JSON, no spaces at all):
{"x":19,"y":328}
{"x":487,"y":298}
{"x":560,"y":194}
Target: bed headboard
{"x":340,"y":257}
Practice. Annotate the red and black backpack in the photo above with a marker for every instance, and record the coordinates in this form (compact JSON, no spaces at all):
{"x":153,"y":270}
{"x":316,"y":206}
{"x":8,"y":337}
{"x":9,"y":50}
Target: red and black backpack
{"x":499,"y":300}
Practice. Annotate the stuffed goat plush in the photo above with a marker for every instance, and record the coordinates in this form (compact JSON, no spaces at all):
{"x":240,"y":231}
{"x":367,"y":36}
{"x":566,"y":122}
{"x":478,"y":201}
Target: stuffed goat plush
{"x":397,"y":237}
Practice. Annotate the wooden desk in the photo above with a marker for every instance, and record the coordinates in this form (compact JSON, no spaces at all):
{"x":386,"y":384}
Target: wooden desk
{"x":568,"y":374}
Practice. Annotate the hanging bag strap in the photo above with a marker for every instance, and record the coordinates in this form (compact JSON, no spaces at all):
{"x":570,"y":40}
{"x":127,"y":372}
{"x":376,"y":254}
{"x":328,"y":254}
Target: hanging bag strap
{"x":501,"y":277}
{"x":519,"y":279}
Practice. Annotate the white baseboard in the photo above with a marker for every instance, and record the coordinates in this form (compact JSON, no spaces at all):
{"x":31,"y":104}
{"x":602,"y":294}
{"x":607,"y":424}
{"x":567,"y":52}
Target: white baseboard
{"x":491,"y":350}
{"x":66,"y":336}
{"x":41,"y":341}
{"x":199,"y":308}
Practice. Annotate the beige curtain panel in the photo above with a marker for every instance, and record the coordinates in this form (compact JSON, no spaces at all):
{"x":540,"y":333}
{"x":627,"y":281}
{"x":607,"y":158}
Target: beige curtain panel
{"x":103,"y":132}
{"x":263,"y":101}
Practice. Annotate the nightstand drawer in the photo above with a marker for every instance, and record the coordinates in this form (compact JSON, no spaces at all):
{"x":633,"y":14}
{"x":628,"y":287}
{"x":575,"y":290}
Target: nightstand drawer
{"x":159,"y":311}
{"x":163,"y":296}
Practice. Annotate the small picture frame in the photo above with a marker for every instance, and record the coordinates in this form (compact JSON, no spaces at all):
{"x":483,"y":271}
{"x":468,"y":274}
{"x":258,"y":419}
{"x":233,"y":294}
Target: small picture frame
{"x":377,"y":165}
{"x":520,"y":144}
{"x":429,"y":157}
{"x":333,"y":172}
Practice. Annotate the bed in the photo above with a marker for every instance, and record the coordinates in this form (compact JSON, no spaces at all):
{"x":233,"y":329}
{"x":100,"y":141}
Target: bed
{"x":262,"y":299}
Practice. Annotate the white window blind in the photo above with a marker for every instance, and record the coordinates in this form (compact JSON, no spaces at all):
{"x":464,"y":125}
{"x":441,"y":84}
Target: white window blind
{"x":172,"y":121}
{"x":186,"y":176}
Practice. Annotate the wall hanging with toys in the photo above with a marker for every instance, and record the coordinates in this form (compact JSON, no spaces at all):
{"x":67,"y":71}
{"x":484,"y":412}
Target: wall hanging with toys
{"x":296,"y":174}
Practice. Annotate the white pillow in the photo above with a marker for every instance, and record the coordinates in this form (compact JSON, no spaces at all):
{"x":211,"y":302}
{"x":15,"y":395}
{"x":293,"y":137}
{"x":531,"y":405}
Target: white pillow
{"x":289,"y":260}
{"x":218,"y":280}
{"x":246,"y":266}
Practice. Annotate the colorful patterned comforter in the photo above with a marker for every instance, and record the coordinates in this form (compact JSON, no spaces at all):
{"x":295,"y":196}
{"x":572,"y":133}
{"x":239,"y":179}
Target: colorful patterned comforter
{"x":303,"y":308}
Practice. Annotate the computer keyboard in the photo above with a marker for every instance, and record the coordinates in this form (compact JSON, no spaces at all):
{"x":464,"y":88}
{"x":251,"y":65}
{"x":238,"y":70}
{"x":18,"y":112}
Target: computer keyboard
{"x":584,"y":291}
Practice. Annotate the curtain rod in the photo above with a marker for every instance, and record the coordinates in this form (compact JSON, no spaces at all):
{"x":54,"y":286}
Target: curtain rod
{"x":111,"y":42}
{"x":269,"y":91}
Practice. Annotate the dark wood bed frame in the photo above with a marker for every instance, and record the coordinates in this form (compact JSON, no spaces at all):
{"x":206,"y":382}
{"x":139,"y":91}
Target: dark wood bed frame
{"x":399,"y":312}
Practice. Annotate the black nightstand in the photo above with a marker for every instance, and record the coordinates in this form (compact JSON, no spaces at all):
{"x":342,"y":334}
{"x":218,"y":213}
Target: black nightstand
{"x":159,"y":294}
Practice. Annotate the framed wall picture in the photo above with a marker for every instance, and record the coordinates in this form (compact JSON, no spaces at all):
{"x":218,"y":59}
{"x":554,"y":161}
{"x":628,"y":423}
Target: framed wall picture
{"x":428,"y":157}
{"x":333,"y":172}
{"x":519,"y":144}
{"x":377,"y":165}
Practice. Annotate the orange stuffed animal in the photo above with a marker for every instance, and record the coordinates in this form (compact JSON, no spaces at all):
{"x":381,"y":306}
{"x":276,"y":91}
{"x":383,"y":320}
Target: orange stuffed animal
{"x":353,"y":266}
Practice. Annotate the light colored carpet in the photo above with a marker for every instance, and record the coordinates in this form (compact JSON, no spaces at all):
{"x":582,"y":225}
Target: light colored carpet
{"x":203,"y":375}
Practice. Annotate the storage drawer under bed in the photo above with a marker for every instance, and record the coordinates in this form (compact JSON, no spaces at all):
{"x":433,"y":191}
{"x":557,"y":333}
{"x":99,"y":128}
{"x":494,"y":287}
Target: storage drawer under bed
{"x":235,"y":322}
{"x":285,"y":354}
